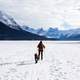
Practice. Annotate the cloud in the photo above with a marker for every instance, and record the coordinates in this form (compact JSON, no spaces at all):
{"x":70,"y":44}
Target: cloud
{"x":43,"y":13}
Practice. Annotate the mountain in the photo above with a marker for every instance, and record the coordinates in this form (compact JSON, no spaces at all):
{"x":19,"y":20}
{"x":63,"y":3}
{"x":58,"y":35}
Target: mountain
{"x":50,"y":33}
{"x":29,"y":29}
{"x":41,"y":32}
{"x":7,"y":33}
{"x":72,"y":34}
{"x":9,"y":21}
{"x":38,"y":31}
{"x":53,"y":33}
{"x":10,"y":30}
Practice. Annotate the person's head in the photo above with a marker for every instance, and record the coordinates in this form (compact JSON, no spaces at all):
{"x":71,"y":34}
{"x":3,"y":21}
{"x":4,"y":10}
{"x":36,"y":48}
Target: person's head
{"x":40,"y":42}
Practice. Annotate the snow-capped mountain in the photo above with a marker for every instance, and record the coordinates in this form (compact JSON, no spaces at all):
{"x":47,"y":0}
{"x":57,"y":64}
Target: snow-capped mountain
{"x":8,"y":33}
{"x":8,"y":20}
{"x":53,"y":33}
{"x":71,"y":34}
{"x":41,"y":31}
{"x":50,"y":33}
{"x":29,"y":29}
{"x":10,"y":30}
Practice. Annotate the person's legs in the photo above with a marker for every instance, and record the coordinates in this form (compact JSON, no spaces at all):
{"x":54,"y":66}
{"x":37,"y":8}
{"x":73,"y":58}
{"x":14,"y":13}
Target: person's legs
{"x":41,"y":55}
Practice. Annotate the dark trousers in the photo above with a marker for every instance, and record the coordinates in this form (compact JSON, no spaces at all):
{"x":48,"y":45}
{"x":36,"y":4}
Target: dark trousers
{"x":40,"y":53}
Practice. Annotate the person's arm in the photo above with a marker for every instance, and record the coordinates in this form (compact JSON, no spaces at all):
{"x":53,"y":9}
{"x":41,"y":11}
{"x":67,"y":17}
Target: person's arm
{"x":43,"y":46}
{"x":37,"y":46}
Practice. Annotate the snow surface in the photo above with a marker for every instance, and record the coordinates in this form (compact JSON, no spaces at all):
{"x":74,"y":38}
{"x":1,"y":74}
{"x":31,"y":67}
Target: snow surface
{"x":61,"y":61}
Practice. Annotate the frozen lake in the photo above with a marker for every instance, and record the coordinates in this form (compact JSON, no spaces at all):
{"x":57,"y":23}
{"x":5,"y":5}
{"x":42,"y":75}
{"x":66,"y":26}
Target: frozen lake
{"x":61,"y":60}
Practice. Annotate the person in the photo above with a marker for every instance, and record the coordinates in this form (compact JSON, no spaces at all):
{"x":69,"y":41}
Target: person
{"x":40,"y":50}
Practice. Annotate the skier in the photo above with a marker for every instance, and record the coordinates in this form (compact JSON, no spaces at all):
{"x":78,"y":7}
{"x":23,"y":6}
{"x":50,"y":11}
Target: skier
{"x":40,"y":50}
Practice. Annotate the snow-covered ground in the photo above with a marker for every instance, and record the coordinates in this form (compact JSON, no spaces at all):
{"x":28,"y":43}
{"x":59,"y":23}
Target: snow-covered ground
{"x":61,"y":61}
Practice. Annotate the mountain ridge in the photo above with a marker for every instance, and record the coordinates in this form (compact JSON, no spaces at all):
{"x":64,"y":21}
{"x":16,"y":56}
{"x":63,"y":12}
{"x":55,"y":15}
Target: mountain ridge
{"x":35,"y":34}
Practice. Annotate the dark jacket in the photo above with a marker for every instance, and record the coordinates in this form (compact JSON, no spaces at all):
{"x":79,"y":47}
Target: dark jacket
{"x":40,"y":46}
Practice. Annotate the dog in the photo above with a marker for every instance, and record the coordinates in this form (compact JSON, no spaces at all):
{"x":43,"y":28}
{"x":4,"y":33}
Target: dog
{"x":36,"y":58}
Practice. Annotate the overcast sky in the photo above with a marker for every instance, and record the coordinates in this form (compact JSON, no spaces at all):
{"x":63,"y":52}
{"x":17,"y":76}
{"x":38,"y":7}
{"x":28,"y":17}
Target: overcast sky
{"x":44,"y":13}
